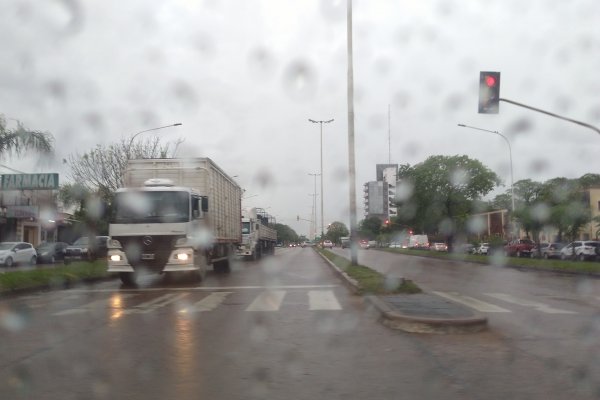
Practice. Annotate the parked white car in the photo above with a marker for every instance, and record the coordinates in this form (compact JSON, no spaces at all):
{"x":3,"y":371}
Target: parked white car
{"x":483,"y":249}
{"x":12,"y":253}
{"x":581,"y":250}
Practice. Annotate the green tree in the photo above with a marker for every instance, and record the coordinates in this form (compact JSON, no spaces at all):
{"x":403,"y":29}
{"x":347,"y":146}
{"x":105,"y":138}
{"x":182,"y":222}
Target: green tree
{"x":369,"y":228}
{"x":446,"y":190}
{"x":19,"y":140}
{"x":337,"y":230}
{"x":285,"y":234}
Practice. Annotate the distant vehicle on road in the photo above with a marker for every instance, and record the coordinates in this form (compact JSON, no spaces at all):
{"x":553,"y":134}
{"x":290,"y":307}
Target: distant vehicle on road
{"x":327,"y":244}
{"x":86,"y":249}
{"x":364,"y":244}
{"x":12,"y":253}
{"x":50,"y":252}
{"x":418,"y":242}
{"x":345,"y":241}
{"x":438,"y":246}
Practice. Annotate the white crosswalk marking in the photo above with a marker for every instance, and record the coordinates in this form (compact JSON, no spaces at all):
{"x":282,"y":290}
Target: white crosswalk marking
{"x":152,"y":305}
{"x":101,"y":303}
{"x":208,"y":303}
{"x":269,"y":300}
{"x":323,"y":300}
{"x":527,"y":303}
{"x":478,"y":305}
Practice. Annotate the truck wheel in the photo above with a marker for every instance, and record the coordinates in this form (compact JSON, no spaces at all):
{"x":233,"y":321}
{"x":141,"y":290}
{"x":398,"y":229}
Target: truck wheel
{"x":8,"y":262}
{"x":127,"y":278}
{"x":221,"y":267}
{"x":582,"y":257}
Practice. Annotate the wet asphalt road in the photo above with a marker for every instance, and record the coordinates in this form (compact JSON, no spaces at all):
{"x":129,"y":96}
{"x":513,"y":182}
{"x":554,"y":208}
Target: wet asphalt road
{"x":281,"y":328}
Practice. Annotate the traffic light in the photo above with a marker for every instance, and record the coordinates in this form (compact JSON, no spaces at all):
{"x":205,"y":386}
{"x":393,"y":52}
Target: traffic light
{"x":489,"y":92}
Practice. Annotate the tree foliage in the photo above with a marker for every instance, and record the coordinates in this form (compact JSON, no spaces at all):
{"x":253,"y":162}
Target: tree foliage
{"x":559,"y":203}
{"x":337,"y":230}
{"x":369,"y":228}
{"x":286,"y":234}
{"x":445,"y":190}
{"x":19,"y":140}
{"x":101,"y":169}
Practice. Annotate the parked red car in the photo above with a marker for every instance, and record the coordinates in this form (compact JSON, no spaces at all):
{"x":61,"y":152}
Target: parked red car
{"x":519,"y":248}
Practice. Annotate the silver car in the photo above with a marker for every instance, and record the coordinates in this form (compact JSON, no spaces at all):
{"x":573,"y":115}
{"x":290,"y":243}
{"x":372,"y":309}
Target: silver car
{"x":12,"y":253}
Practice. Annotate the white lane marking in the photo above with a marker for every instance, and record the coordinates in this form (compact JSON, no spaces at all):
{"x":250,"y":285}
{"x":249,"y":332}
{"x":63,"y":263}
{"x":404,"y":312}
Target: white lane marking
{"x":472,"y":302}
{"x":269,"y":300}
{"x":153,"y":304}
{"x":323,"y":300}
{"x":101,"y":303}
{"x":527,"y":303}
{"x":208,"y":303}
{"x":207,"y":288}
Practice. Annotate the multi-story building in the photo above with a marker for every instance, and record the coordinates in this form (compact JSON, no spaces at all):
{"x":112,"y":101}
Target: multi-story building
{"x":379,"y":195}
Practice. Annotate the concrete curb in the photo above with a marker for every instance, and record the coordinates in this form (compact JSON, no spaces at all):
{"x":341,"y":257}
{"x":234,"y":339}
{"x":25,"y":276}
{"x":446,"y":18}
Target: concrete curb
{"x":410,"y":323}
{"x":415,"y":324}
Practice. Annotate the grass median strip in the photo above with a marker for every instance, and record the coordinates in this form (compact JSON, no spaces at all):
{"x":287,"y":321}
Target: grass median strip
{"x":59,"y":276}
{"x":370,"y":281}
{"x":554,"y":265}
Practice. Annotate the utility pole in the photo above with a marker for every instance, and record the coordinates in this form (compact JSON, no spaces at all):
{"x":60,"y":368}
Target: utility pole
{"x":321,"y":123}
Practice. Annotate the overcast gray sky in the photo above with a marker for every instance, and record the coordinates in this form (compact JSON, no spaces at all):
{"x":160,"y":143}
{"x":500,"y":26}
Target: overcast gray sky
{"x":244,"y":77}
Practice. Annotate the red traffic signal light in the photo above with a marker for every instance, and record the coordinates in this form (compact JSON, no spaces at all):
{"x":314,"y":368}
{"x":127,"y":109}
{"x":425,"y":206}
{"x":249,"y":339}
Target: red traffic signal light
{"x":489,"y":92}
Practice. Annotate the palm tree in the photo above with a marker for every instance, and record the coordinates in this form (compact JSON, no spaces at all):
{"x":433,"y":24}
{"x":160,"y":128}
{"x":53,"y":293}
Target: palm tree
{"x":16,"y":141}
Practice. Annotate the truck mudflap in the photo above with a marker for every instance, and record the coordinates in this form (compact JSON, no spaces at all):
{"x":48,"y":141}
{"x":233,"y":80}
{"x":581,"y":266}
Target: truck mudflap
{"x":180,"y":259}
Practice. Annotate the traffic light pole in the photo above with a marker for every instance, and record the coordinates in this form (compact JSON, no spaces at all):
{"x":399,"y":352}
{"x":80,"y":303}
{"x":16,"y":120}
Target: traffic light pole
{"x":552,"y":114}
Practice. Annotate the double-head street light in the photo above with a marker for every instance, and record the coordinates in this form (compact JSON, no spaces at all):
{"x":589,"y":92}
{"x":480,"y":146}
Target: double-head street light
{"x":148,"y":130}
{"x":321,"y":122}
{"x":512,"y":186}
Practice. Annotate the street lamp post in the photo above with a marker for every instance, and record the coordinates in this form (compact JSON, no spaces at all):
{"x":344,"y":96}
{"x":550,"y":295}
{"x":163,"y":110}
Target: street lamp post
{"x":351,"y":153}
{"x":148,"y":130}
{"x":512,"y":186}
{"x":315,"y":202}
{"x":321,"y":123}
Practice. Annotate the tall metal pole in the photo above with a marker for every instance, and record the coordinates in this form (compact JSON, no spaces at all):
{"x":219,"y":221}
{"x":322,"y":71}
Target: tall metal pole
{"x":322,"y":218}
{"x":315,"y":203}
{"x":351,"y":162}
{"x":512,"y":185}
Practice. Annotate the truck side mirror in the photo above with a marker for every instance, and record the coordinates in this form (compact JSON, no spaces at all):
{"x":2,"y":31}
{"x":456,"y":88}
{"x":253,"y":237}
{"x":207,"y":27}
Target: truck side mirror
{"x":204,"y":204}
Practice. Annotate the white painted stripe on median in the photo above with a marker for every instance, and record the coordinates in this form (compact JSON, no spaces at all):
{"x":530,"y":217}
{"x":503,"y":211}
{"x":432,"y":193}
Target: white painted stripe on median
{"x":208,"y":303}
{"x":323,"y":300}
{"x":472,"y":302}
{"x":269,"y":300}
{"x":527,"y":303}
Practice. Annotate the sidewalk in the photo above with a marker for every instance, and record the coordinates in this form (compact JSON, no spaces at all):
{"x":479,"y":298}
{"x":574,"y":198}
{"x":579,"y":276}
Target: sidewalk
{"x":421,"y":312}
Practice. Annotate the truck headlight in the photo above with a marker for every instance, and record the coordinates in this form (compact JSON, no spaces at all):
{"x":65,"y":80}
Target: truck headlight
{"x":115,"y":257}
{"x":182,"y":256}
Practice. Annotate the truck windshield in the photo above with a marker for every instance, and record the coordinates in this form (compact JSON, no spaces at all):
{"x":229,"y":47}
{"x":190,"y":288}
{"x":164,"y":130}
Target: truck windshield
{"x":152,"y":207}
{"x":245,"y":227}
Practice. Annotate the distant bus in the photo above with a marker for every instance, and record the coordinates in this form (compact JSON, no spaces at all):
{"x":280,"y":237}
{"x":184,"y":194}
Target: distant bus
{"x":345,"y":241}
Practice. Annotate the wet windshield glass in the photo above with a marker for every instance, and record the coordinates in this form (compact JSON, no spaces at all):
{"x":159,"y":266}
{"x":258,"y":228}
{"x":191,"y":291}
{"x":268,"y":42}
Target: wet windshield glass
{"x":152,"y":206}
